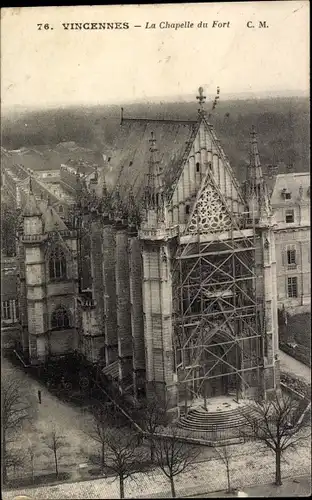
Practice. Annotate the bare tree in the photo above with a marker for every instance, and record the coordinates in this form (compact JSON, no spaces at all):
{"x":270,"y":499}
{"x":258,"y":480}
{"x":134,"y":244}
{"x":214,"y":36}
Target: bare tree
{"x":14,"y":411}
{"x":101,"y":419}
{"x":174,"y":456}
{"x":123,"y":456}
{"x":225,"y":454}
{"x":55,"y":442}
{"x":31,"y":456}
{"x":277,"y":424}
{"x":152,"y":414}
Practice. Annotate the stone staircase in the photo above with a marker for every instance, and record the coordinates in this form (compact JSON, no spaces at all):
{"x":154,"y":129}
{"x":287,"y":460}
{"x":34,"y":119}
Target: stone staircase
{"x":201,"y":420}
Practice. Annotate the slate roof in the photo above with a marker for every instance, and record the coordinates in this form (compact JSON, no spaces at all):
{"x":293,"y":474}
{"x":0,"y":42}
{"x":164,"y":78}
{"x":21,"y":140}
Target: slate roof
{"x":292,"y":183}
{"x":128,"y":165}
{"x":46,"y":158}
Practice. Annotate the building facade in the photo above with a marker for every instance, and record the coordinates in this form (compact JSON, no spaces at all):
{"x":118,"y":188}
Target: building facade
{"x":290,"y":202}
{"x":48,"y":283}
{"x":10,"y":329}
{"x":183,"y":266}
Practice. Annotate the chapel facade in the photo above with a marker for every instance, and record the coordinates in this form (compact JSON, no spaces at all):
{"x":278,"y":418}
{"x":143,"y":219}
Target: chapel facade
{"x":183,"y":300}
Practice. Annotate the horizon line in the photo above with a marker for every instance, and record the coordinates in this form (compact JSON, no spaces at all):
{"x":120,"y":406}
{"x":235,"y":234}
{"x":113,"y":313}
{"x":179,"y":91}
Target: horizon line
{"x":183,"y":98}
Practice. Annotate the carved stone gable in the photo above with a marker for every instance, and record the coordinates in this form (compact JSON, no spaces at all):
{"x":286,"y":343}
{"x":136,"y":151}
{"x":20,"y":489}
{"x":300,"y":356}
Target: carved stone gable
{"x":210,"y":215}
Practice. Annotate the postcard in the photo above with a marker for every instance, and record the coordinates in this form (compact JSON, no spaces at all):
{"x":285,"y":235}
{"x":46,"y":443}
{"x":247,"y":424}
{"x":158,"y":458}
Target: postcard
{"x":155,"y":250}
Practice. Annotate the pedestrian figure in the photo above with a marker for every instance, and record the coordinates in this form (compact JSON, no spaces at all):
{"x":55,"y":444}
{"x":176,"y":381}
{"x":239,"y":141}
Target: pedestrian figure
{"x":39,"y":397}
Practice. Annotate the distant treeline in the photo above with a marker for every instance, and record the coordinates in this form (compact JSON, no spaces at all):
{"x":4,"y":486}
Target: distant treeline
{"x":282,"y":125}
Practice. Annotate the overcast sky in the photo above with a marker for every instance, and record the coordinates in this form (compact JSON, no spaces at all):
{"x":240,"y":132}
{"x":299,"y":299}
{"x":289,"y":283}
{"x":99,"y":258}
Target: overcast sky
{"x":41,"y":68}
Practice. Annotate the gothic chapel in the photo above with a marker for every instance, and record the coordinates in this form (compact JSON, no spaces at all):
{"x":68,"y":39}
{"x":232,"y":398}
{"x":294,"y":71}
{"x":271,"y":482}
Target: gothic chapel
{"x":183,"y":302}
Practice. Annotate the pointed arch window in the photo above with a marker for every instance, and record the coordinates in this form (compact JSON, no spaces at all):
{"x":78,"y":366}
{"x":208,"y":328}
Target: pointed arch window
{"x":57,"y":264}
{"x":60,"y":319}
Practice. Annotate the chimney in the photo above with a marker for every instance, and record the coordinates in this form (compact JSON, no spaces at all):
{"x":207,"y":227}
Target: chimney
{"x":272,"y":171}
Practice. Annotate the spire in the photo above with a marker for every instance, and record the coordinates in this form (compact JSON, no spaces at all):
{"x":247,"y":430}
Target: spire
{"x":133,"y":214}
{"x":117,"y":206}
{"x":31,"y":207}
{"x":254,"y":153}
{"x":153,"y":189}
{"x":256,"y":190}
{"x":201,"y":100}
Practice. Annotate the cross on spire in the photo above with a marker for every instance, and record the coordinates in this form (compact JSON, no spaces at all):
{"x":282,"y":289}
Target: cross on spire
{"x":152,"y":142}
{"x":201,"y":99}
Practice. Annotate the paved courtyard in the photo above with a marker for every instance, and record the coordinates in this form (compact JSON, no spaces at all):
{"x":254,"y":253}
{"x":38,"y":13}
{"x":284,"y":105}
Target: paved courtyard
{"x":248,"y":466}
{"x":209,"y":476}
{"x":68,"y":421}
{"x":294,"y":487}
{"x":294,"y":367}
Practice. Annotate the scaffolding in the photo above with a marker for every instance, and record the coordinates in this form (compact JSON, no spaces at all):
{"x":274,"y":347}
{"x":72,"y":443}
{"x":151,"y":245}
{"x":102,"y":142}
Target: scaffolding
{"x":219,"y":327}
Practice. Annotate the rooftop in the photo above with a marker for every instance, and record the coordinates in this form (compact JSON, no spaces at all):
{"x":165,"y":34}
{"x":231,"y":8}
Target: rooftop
{"x":128,"y":164}
{"x":298,"y":184}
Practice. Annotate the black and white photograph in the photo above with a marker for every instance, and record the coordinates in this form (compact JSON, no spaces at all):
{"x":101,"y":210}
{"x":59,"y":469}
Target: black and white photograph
{"x":155,"y":251}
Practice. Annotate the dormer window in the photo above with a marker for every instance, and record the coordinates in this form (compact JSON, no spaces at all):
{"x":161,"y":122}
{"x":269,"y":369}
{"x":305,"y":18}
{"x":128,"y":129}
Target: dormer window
{"x":286,"y":194}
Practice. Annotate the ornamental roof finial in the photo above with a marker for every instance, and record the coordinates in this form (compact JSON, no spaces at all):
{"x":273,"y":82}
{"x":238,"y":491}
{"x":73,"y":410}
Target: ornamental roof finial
{"x":201,"y":100}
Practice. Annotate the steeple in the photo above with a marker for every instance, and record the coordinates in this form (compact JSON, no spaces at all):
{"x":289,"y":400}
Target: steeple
{"x":32,"y":215}
{"x":133,"y":211}
{"x":255,"y":166}
{"x":154,"y":186}
{"x":117,"y":206}
{"x":256,"y":189}
{"x":31,"y":208}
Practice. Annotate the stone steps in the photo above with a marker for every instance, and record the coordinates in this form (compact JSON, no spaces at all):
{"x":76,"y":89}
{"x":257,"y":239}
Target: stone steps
{"x":199,"y":419}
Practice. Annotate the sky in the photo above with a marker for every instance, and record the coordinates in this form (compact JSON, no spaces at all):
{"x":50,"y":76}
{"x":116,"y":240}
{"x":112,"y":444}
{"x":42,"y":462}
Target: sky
{"x":57,"y":67}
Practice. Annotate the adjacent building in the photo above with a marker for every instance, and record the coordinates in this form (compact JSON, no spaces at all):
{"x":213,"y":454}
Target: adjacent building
{"x":290,"y":201}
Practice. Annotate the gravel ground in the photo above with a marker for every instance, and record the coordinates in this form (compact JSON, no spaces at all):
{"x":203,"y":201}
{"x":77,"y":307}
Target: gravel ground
{"x":254,"y":468}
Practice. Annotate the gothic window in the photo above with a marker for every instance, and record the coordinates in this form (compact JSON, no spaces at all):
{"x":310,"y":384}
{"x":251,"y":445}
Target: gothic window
{"x":197,"y":167}
{"x":6,"y":310}
{"x":57,"y":264}
{"x":60,"y":319}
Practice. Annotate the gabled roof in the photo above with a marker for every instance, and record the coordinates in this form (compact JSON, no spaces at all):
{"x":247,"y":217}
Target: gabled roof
{"x":128,"y":165}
